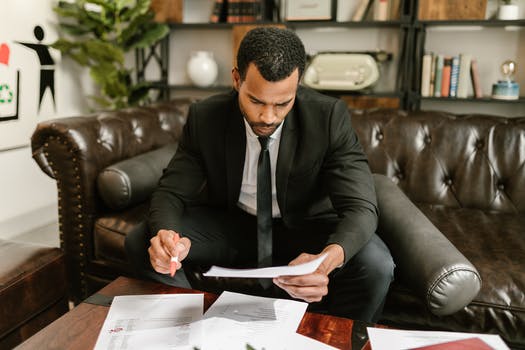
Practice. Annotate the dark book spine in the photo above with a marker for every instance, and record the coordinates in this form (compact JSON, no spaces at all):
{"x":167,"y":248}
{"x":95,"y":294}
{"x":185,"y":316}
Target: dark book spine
{"x":219,"y":12}
{"x":244,"y":11}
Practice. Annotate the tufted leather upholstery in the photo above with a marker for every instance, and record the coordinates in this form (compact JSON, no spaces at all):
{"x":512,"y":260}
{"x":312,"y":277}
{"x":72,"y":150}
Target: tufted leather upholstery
{"x":74,"y":151}
{"x":466,"y":173}
{"x":438,"y":158}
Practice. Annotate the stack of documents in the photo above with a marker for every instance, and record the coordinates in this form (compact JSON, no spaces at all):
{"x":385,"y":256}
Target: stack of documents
{"x":234,"y":321}
{"x":175,"y":321}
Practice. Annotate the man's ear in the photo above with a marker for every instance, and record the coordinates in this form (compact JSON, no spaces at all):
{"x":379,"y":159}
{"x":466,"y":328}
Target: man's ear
{"x":236,"y":78}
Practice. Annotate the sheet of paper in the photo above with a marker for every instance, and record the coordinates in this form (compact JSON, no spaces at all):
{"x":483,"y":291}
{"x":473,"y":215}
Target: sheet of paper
{"x":224,"y":334}
{"x":133,"y":320}
{"x":255,"y":314}
{"x":391,"y":339}
{"x":185,"y":337}
{"x":267,"y":272}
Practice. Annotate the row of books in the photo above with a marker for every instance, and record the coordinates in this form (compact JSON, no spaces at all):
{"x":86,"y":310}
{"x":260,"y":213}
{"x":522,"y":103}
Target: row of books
{"x":237,"y":11}
{"x":450,"y":76}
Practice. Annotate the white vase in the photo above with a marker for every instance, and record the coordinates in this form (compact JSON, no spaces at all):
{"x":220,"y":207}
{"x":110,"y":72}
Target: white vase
{"x":202,"y":68}
{"x":508,"y":12}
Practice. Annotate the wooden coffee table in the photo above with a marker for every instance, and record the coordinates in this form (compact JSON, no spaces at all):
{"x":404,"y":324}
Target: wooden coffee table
{"x":79,"y":328}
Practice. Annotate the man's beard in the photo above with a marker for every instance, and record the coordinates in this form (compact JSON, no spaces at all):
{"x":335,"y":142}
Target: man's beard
{"x":255,"y":125}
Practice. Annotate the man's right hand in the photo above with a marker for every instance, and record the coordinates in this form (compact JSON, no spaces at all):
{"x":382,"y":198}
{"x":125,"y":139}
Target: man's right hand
{"x":163,"y":247}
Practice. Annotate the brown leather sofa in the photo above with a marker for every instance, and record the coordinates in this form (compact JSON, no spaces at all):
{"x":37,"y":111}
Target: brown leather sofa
{"x":465,"y":173}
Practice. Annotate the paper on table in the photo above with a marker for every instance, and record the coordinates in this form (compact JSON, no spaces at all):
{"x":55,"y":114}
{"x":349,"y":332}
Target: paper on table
{"x":132,"y":319}
{"x":267,"y":272}
{"x":391,"y":339}
{"x":257,"y":314}
{"x":226,"y":334}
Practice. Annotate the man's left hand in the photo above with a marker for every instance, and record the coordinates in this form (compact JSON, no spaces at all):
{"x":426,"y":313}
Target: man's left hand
{"x":314,"y":286}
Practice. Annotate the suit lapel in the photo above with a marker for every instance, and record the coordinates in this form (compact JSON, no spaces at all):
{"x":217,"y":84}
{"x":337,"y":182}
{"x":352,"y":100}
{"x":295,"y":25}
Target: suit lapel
{"x":235,"y":148}
{"x":285,"y":158}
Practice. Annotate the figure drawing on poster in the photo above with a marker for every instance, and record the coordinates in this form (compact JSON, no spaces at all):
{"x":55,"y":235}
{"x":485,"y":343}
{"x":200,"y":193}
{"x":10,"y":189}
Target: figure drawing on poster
{"x":47,"y":65}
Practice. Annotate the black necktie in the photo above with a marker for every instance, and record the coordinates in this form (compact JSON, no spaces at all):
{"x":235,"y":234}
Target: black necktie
{"x":264,"y":205}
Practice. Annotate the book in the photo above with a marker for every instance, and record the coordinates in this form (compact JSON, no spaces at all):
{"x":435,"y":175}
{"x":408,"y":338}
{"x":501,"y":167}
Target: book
{"x":438,"y":76}
{"x":445,"y":76}
{"x":474,"y":75}
{"x":454,"y":74}
{"x":381,"y":10}
{"x":432,"y":76}
{"x":218,"y":13}
{"x":244,"y":11}
{"x":394,"y":10}
{"x":425,"y":75}
{"x":361,"y":10}
{"x":464,"y":75}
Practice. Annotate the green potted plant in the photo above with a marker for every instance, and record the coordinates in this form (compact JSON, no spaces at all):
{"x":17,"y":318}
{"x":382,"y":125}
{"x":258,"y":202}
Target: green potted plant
{"x":98,"y":33}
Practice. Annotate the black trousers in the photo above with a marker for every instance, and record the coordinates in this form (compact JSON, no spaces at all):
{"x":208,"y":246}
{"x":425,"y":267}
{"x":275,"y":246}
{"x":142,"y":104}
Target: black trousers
{"x":357,"y":290}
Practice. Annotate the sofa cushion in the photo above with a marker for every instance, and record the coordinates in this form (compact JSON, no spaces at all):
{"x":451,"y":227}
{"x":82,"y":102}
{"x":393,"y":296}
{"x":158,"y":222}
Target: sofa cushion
{"x":494,"y":243}
{"x":110,"y":232}
{"x":131,"y":181}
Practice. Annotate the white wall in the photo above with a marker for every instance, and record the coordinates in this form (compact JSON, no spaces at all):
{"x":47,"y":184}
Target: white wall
{"x":27,"y":196}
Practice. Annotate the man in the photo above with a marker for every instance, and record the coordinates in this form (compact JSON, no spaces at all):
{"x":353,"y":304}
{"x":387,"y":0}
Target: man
{"x":322,"y":194}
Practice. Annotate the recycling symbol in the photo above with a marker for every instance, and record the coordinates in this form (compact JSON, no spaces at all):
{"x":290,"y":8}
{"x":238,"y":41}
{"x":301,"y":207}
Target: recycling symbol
{"x":6,"y":94}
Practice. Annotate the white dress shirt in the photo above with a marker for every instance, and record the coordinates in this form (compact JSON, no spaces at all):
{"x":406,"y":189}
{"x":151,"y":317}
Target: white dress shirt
{"x":248,"y":196}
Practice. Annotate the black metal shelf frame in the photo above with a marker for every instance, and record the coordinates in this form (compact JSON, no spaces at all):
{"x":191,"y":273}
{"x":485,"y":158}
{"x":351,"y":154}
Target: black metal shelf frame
{"x":411,"y":50}
{"x":160,"y":55}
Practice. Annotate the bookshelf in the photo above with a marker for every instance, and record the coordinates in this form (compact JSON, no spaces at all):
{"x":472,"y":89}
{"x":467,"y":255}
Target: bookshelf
{"x":488,"y":42}
{"x":171,"y":54}
{"x":407,"y":37}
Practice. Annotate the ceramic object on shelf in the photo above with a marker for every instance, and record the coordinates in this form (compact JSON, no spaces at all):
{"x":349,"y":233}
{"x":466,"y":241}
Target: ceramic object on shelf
{"x":341,"y":71}
{"x":508,"y":11}
{"x":506,"y":89}
{"x":202,"y":68}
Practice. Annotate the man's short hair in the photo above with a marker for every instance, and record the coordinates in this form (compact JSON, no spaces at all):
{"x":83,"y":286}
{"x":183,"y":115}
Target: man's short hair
{"x":275,"y":52}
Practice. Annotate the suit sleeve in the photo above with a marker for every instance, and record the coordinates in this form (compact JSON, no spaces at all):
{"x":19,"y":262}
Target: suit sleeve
{"x":181,"y":182}
{"x":350,"y":184}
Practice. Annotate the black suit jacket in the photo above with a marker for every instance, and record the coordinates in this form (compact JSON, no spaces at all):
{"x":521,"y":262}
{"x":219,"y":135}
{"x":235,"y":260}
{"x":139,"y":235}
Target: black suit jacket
{"x":321,"y":168}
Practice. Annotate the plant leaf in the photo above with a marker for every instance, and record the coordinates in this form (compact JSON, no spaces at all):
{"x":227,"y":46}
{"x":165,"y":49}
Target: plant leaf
{"x":67,"y":9}
{"x":147,"y":38}
{"x":75,"y":29}
{"x":63,"y":45}
{"x":100,"y":51}
{"x":141,"y":8}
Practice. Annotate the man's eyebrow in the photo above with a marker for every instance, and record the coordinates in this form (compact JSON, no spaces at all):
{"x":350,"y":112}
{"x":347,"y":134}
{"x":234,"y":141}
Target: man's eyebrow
{"x":255,"y":99}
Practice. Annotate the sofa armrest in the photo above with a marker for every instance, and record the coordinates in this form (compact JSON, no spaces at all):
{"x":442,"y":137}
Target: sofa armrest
{"x":133,"y":180}
{"x":75,"y":150}
{"x":426,"y":260}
